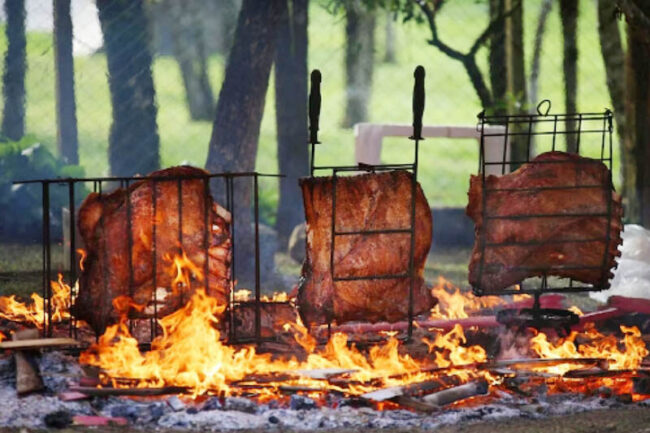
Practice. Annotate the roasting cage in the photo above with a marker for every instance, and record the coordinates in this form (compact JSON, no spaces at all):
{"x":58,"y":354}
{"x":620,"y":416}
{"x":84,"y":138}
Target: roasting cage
{"x":225,"y":183}
{"x":337,"y":170}
{"x":590,"y":134}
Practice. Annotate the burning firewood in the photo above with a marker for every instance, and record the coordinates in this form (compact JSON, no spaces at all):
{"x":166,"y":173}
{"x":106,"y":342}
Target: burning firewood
{"x":363,"y":203}
{"x":30,"y":341}
{"x":165,"y":250}
{"x":525,"y":214}
{"x":461,"y":392}
{"x":134,"y":392}
{"x":28,"y":378}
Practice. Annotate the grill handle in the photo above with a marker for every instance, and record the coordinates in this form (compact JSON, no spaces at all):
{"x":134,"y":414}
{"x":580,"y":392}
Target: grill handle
{"x":418,"y":103}
{"x":314,"y":106}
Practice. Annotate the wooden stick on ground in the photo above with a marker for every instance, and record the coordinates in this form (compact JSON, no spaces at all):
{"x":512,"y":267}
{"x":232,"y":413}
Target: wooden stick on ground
{"x":141,"y":392}
{"x":411,"y":389}
{"x":32,"y":342}
{"x":28,"y":378}
{"x":450,"y":395}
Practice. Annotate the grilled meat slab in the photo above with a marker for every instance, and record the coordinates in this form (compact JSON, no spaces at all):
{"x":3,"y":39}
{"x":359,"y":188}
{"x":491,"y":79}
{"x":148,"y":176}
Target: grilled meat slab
{"x":363,"y":202}
{"x":107,"y":274}
{"x":548,"y":217}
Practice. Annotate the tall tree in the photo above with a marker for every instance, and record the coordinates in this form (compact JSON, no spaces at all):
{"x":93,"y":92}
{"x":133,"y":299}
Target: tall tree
{"x":291,"y":113}
{"x":389,"y":46}
{"x":569,"y":17}
{"x":497,"y":57}
{"x":66,"y":108}
{"x":15,"y":67}
{"x":544,"y":11}
{"x":430,"y":10}
{"x":359,"y":60}
{"x":613,"y":55}
{"x":637,"y":109}
{"x":191,"y":54}
{"x":516,"y":77}
{"x":133,"y":142}
{"x":236,"y":127}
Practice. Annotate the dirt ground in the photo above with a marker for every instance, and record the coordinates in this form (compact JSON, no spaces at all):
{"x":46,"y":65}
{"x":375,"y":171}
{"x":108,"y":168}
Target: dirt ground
{"x":620,"y":420}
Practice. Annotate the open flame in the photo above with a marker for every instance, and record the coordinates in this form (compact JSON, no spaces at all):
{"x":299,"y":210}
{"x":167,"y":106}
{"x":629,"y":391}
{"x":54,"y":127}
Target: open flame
{"x":245,"y":295}
{"x":34,"y":312}
{"x":190,"y":353}
{"x":625,"y":355}
{"x":456,"y":304}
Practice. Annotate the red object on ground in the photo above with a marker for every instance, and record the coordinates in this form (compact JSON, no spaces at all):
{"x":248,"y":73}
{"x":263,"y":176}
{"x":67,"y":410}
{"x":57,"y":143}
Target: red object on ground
{"x":598,"y":316}
{"x":630,"y":305}
{"x":72,"y":396}
{"x":88,"y":420}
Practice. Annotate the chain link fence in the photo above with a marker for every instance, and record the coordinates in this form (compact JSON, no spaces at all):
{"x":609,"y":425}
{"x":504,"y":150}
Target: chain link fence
{"x":205,"y":28}
{"x":451,"y":97}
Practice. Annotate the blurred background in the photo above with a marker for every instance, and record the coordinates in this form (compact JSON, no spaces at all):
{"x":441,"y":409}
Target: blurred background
{"x":81,"y":78}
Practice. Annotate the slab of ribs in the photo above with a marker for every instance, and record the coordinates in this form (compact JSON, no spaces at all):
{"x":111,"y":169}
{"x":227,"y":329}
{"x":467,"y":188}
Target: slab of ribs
{"x":107,"y":274}
{"x":373,"y":201}
{"x":549,"y":217}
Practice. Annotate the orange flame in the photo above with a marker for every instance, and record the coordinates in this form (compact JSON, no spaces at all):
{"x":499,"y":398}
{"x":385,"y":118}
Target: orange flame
{"x":185,"y":270}
{"x":34,"y":312}
{"x":190,"y":353}
{"x":454,"y":304}
{"x":593,"y":344}
{"x":82,"y":259}
{"x":244,"y":295}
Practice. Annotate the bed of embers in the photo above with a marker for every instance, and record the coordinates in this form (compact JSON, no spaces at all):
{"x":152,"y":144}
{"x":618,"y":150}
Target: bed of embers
{"x":460,"y":364}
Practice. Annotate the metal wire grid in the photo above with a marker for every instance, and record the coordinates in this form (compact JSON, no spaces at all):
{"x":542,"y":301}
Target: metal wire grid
{"x":418,"y":109}
{"x":98,"y":184}
{"x":528,"y":127}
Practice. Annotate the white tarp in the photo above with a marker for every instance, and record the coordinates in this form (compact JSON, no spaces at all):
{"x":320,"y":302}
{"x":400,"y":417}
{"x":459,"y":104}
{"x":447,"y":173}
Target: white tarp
{"x":632,"y":278}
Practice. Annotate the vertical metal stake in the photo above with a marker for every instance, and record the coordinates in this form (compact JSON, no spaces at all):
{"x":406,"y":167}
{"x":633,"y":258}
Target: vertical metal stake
{"x":73,"y":252}
{"x":47,"y":332}
{"x":258,"y":312}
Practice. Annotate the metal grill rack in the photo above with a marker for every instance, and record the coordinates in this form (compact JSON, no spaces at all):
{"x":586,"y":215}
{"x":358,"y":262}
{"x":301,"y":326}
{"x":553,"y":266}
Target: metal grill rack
{"x":591,"y":134}
{"x":100,"y":184}
{"x":335,"y":170}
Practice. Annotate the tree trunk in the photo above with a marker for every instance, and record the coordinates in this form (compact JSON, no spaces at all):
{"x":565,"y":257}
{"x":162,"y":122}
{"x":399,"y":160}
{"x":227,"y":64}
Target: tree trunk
{"x":291,"y":114}
{"x":544,"y":11}
{"x":190,"y":52}
{"x":13,"y":78}
{"x":219,"y":19}
{"x":389,"y":54}
{"x":569,"y":16}
{"x":359,"y":61}
{"x":497,"y":59}
{"x":516,"y":77}
{"x":236,"y":127}
{"x":614,"y":60}
{"x":637,"y":111}
{"x":133,"y":142}
{"x":66,"y":108}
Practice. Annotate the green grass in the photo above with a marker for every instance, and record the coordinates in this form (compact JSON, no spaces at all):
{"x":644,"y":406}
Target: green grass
{"x":446,"y":164}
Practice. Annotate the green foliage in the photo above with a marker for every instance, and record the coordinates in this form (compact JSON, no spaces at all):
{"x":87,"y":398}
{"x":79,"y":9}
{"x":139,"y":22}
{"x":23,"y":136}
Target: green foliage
{"x":407,"y":9}
{"x":445,"y":164}
{"x":21,"y":204}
